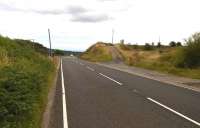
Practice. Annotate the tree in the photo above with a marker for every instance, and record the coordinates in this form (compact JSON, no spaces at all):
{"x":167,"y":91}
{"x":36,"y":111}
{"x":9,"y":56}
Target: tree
{"x":172,"y":44}
{"x":189,"y":56}
{"x":147,"y":46}
{"x":59,"y":52}
{"x":178,"y":44}
{"x":159,"y":44}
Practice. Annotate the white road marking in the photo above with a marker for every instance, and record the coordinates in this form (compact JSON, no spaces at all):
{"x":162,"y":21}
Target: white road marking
{"x":81,"y":64}
{"x":90,"y":68}
{"x":136,"y":91}
{"x":65,"y":123}
{"x":175,"y":112}
{"x":110,"y":79}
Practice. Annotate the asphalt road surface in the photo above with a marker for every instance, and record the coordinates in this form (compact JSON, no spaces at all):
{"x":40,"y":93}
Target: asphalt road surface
{"x":99,"y":97}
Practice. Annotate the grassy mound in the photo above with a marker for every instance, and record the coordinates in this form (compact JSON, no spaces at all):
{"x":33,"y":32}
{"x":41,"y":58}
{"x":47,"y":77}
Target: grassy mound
{"x":97,"y":53}
{"x":25,"y":73}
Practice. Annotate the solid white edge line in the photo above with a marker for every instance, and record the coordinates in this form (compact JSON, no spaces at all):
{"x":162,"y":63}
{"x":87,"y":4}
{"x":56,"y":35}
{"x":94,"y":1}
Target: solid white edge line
{"x":175,"y":112}
{"x":111,"y":79}
{"x":65,"y":123}
{"x":90,"y":68}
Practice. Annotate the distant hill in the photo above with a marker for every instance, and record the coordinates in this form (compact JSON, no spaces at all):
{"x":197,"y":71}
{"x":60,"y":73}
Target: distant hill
{"x":65,"y":53}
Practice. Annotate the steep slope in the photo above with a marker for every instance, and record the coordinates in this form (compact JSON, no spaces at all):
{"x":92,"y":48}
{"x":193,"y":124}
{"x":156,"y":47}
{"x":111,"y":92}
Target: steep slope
{"x":102,"y":52}
{"x":116,"y":55}
{"x":98,"y":52}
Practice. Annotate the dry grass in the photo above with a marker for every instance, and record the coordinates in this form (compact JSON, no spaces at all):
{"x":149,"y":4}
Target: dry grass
{"x":159,"y":59}
{"x":97,"y":53}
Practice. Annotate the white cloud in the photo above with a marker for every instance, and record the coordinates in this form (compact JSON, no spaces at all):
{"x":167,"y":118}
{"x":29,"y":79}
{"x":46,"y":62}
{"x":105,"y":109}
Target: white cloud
{"x":76,"y":24}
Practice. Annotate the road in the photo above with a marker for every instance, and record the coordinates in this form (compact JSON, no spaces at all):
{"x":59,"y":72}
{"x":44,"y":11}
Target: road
{"x":99,"y":97}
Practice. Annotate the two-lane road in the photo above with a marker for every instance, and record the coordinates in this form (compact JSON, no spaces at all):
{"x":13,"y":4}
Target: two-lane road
{"x":92,"y":96}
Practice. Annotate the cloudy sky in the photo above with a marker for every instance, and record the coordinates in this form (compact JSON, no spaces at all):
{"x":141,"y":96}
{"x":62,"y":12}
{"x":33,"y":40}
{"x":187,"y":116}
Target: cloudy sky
{"x":76,"y":24}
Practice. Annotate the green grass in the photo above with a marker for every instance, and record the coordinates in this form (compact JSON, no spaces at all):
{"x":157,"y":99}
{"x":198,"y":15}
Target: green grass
{"x":97,"y":54}
{"x":168,"y":68}
{"x":166,"y":63}
{"x":97,"y":58}
{"x":181,"y":61}
{"x":25,"y":77}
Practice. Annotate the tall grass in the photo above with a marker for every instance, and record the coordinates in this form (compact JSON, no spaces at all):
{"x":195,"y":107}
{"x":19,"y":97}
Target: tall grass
{"x":189,"y":56}
{"x":166,"y":63}
{"x":24,"y":77}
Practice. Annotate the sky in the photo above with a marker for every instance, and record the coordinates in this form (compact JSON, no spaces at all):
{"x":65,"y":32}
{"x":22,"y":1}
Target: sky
{"x":77,"y":24}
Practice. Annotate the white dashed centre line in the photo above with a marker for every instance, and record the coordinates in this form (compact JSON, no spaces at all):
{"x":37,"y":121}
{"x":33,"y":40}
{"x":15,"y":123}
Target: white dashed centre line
{"x":175,"y":112}
{"x":110,"y":79}
{"x":91,"y":69}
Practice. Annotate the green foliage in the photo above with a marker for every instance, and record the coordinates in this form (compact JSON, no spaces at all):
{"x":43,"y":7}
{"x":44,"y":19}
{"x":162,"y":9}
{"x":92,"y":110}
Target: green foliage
{"x":96,"y":54}
{"x":189,"y":56}
{"x":159,"y":45}
{"x":178,"y":44}
{"x":135,"y":46}
{"x":59,"y":52}
{"x":97,"y":58}
{"x":168,"y":67}
{"x":33,"y":45}
{"x":172,"y":44}
{"x":23,"y":82}
{"x":147,"y":46}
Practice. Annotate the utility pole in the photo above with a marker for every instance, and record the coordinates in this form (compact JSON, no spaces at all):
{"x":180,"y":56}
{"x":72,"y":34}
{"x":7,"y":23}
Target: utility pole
{"x":50,"y":52}
{"x":112,"y":35}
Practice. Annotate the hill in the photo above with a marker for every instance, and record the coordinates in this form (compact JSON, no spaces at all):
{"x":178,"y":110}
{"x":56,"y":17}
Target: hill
{"x":163,"y":58}
{"x":25,"y":76}
{"x":102,"y":52}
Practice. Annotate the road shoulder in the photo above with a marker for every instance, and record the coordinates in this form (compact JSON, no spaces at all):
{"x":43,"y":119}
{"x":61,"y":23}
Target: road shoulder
{"x":46,"y":120}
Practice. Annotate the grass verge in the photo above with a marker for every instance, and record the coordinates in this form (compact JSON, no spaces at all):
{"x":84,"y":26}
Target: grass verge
{"x":169,"y":69}
{"x":25,"y":79}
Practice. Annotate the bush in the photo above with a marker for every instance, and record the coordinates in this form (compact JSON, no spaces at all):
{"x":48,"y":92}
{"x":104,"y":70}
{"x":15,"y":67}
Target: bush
{"x":59,"y":52}
{"x":135,"y":46}
{"x":159,"y":45}
{"x":147,"y":46}
{"x":23,"y":83}
{"x":189,"y":56}
{"x":178,"y":44}
{"x":172,"y":44}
